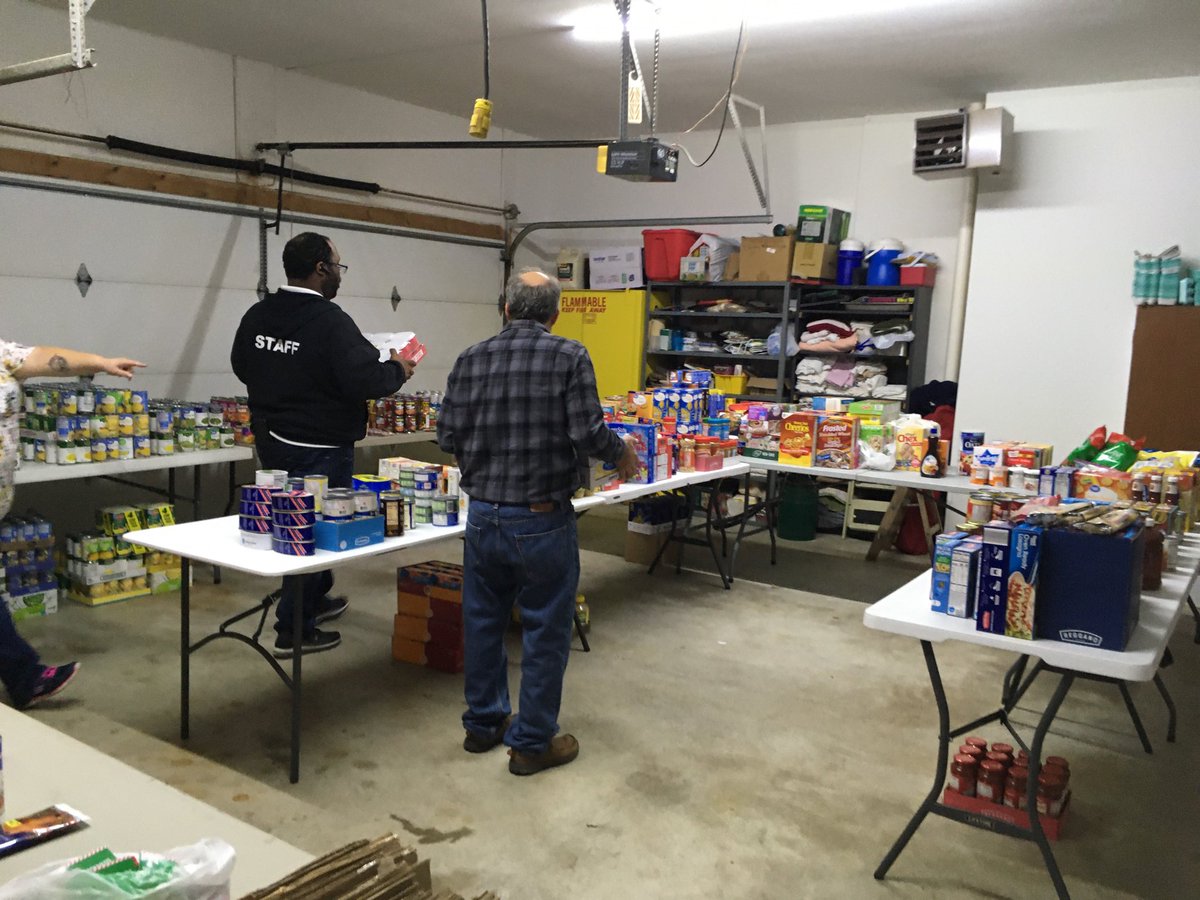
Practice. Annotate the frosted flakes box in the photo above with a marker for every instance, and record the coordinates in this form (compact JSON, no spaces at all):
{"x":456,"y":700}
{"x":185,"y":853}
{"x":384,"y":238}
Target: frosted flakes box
{"x":836,"y":443}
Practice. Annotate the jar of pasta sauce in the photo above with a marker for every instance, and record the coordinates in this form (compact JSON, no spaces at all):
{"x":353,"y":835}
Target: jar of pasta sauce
{"x":990,"y":785}
{"x":1051,"y":790}
{"x":963,"y":774}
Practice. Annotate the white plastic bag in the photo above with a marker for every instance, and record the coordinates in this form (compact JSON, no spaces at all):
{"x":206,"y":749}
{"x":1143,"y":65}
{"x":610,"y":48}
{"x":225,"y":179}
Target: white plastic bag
{"x":202,"y":872}
{"x":879,"y":460}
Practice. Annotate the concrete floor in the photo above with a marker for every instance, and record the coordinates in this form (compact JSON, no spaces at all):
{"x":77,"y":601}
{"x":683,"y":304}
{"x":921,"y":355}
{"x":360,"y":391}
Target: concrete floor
{"x":757,"y":743}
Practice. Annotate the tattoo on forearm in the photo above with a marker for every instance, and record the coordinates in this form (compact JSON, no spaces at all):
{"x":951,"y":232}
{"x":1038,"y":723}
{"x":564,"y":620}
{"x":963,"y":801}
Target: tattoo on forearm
{"x":58,"y":363}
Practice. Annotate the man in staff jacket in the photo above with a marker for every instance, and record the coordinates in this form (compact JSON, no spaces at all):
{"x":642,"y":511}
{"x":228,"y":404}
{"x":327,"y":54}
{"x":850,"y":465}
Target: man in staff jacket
{"x":309,"y":373}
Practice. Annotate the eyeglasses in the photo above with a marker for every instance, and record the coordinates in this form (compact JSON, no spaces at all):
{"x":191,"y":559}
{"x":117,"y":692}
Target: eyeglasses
{"x":341,"y":266}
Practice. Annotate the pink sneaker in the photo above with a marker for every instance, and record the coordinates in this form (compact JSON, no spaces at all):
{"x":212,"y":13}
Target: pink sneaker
{"x":51,"y":680}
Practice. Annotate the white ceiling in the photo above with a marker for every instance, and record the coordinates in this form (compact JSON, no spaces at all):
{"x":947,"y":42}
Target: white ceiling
{"x":546,"y":83}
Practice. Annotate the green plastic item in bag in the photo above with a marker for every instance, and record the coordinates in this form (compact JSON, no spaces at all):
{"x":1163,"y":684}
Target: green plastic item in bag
{"x":1120,"y":455}
{"x":142,"y":881}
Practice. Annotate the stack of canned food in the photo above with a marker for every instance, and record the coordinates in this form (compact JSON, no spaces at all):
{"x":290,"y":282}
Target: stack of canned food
{"x":404,"y":413}
{"x":419,"y":486}
{"x":68,"y":424}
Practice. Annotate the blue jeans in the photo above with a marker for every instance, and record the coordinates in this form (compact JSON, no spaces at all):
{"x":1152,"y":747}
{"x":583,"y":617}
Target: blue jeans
{"x":337,"y":463}
{"x":19,"y":663}
{"x":513,"y":555}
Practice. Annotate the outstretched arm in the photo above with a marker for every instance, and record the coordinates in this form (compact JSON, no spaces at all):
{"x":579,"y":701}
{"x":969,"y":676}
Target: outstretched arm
{"x":58,"y":361}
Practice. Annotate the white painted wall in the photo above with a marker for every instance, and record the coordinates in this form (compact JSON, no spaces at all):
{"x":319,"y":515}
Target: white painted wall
{"x":863,"y":165}
{"x":1100,"y":172}
{"x":171,"y":285}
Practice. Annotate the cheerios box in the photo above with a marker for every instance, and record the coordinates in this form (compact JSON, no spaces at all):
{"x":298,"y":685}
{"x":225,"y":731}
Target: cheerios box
{"x":1025,"y":553}
{"x":835,"y":445}
{"x":797,"y":435}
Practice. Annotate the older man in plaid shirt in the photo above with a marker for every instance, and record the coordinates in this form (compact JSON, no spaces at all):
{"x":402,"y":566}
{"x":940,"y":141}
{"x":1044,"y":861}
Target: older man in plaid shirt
{"x":522,"y":417}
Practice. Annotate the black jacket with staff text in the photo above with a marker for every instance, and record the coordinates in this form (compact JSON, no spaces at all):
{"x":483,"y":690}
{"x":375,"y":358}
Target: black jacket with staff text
{"x":308,"y":369}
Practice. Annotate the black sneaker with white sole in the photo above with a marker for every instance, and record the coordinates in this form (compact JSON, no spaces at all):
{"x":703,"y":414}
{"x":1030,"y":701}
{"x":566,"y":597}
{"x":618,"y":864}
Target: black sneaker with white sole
{"x":315,"y":642}
{"x":330,"y":608}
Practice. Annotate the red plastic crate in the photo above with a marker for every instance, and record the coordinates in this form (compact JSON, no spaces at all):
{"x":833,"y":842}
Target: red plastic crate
{"x":1018,"y":817}
{"x":917,"y":276}
{"x":662,"y":250}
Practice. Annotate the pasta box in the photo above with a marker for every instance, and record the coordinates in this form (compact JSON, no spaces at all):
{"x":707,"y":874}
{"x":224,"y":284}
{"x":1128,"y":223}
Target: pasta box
{"x":992,"y":601}
{"x":943,"y":554}
{"x":1022,"y":581}
{"x":1090,"y":587}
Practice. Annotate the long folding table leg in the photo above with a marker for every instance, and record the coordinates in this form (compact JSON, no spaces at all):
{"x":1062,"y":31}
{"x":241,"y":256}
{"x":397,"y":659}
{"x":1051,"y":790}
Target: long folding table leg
{"x":1133,"y":714}
{"x":1162,"y":690}
{"x":1011,"y":679}
{"x":1035,"y":757}
{"x":939,"y":776}
{"x":1196,"y":616}
{"x":185,"y":646}
{"x":295,"y":584}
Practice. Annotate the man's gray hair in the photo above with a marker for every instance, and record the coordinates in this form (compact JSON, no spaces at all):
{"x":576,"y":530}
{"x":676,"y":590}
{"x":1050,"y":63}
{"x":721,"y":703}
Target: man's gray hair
{"x":538,"y":301}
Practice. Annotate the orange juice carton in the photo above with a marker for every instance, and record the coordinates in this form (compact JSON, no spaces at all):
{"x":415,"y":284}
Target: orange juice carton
{"x":835,"y":445}
{"x":797,"y":436}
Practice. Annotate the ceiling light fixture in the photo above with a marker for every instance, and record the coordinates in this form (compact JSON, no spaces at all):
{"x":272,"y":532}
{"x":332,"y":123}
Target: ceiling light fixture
{"x":599,"y":23}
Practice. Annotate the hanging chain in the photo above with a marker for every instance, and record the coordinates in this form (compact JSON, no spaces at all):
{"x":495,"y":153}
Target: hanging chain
{"x":654,"y":77}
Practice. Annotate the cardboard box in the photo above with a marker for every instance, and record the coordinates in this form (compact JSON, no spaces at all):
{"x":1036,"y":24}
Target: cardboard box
{"x":339,"y":536}
{"x":693,"y":268}
{"x":992,"y":601}
{"x":1022,"y":581}
{"x":27,"y":606}
{"x":421,"y":606}
{"x":883,"y":410}
{"x":836,"y":443}
{"x":614,"y":268}
{"x":428,"y":630}
{"x":816,"y":262}
{"x":797,"y":437}
{"x":964,"y":578}
{"x":1090,"y":587}
{"x":831,"y":404}
{"x":766,"y":259}
{"x":822,"y":225}
{"x":1029,"y":456}
{"x":943,"y":550}
{"x":645,"y":443}
{"x":433,"y":578}
{"x":912,"y":443}
{"x":1107,"y":485}
{"x":733,"y":266}
{"x":640,"y":549}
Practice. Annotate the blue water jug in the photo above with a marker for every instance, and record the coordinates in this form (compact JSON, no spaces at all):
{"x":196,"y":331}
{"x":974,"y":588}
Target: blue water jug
{"x":850,"y":259}
{"x":881,"y":269}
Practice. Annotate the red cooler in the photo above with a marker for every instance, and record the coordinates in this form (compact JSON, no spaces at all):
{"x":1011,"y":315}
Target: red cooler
{"x":664,"y":247}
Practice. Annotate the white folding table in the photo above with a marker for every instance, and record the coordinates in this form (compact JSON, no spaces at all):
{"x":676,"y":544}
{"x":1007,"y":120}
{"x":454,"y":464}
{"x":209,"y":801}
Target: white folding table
{"x":905,"y":483}
{"x":907,"y":612}
{"x":218,"y":542}
{"x":129,"y":810}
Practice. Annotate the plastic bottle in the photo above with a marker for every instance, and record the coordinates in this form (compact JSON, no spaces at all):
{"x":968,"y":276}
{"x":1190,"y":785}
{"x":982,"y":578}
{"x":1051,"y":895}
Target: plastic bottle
{"x":931,"y":464}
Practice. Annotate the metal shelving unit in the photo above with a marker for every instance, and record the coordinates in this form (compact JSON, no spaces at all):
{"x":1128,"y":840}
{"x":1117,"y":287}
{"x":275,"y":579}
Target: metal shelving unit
{"x":790,"y":304}
{"x":772,"y":301}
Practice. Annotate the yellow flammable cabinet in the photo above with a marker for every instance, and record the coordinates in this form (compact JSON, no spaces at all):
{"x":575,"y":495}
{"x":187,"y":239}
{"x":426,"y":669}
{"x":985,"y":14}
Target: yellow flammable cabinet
{"x":612,"y":325}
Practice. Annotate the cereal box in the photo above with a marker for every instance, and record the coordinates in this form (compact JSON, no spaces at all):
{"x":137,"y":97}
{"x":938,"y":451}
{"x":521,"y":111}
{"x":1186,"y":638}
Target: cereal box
{"x":797,"y":434}
{"x":836,"y":443}
{"x":831,"y":404}
{"x":939,"y":596}
{"x":1022,"y":581}
{"x":992,"y":601}
{"x":912,"y":443}
{"x":883,"y":410}
{"x":1029,"y":456}
{"x":964,"y":577}
{"x":645,"y":443}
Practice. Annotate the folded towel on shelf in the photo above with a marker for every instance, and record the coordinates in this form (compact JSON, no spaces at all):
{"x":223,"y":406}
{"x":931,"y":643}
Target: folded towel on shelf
{"x":811,"y":365}
{"x":891,"y":392}
{"x":867,"y":369}
{"x":872,"y":382}
{"x":841,"y":373}
{"x":837,"y":345}
{"x":833,"y":326}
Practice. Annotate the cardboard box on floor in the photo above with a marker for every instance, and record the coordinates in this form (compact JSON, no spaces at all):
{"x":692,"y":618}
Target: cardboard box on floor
{"x":765,"y":259}
{"x":640,"y":549}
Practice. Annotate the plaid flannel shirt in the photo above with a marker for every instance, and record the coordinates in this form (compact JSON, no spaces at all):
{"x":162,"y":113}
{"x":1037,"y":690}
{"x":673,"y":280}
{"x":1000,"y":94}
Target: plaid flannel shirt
{"x":522,"y":416}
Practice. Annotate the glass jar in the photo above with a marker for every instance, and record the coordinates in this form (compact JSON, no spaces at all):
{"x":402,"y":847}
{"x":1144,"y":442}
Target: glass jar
{"x":977,"y":742}
{"x":990,"y":785}
{"x":1050,"y":796}
{"x":1004,"y":759}
{"x":963,"y":774}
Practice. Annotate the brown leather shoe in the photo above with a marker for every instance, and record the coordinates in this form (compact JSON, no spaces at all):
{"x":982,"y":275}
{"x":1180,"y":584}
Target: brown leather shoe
{"x":562,"y":750}
{"x":482,"y":743}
